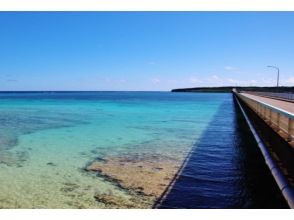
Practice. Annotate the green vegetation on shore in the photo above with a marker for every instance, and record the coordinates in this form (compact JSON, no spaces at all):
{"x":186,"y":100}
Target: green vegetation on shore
{"x":229,"y":89}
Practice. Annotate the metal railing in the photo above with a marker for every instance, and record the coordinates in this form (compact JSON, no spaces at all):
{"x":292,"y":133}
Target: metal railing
{"x":277,"y":95}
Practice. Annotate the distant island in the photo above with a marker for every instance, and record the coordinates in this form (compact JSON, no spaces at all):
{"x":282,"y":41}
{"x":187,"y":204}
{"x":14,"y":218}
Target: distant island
{"x":229,"y":89}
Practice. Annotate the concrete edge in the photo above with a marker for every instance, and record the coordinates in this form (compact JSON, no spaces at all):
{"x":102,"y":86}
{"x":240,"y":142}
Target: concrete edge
{"x":276,"y":109}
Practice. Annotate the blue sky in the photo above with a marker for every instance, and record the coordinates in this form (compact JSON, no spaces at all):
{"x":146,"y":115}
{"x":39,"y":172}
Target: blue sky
{"x":144,"y":50}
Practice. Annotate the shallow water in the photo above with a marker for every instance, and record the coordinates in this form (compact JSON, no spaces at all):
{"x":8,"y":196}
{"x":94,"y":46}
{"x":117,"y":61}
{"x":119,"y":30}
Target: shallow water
{"x":49,"y":140}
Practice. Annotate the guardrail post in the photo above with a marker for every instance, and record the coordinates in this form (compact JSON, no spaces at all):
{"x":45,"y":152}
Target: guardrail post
{"x":290,"y":129}
{"x":278,"y":122}
{"x":264,"y":113}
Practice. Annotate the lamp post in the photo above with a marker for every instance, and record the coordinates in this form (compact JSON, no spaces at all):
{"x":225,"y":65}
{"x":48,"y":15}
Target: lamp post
{"x":277,"y":68}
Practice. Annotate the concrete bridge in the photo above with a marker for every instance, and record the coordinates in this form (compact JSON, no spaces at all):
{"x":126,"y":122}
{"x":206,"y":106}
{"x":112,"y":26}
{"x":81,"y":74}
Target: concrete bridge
{"x":269,"y":115}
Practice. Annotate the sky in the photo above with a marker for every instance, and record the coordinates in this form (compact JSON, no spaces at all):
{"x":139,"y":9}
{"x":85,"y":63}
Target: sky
{"x":142,"y":51}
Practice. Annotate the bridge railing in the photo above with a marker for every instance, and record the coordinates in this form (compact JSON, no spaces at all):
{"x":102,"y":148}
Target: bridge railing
{"x":288,"y":96}
{"x":280,"y":120}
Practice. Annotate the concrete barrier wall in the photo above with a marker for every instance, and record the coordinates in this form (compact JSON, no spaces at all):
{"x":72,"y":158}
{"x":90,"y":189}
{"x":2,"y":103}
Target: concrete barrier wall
{"x":276,"y":95}
{"x":281,"y":121}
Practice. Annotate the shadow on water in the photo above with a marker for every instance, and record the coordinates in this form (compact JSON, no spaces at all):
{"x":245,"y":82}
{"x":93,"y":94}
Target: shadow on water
{"x":225,"y":169}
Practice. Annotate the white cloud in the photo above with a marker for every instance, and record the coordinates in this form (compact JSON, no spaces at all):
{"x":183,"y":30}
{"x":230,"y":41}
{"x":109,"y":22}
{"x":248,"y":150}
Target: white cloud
{"x":151,"y":62}
{"x":290,"y":80}
{"x":172,"y":81}
{"x":155,"y":80}
{"x":230,"y":68}
{"x":194,"y":80}
{"x":12,"y":80}
{"x":253,"y":81}
{"x":215,"y":80}
{"x":122,"y":80}
{"x":215,"y":77}
{"x":268,"y":82}
{"x":233,"y":81}
{"x":219,"y":80}
{"x":109,"y":80}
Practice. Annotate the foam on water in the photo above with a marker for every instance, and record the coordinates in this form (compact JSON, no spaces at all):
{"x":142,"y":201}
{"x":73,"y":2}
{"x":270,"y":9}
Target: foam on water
{"x":48,"y":139}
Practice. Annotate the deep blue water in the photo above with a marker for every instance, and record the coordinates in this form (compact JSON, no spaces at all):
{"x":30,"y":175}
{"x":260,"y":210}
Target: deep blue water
{"x":225,"y":169}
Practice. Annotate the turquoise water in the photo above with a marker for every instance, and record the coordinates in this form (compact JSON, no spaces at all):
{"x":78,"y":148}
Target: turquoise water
{"x":47,"y":139}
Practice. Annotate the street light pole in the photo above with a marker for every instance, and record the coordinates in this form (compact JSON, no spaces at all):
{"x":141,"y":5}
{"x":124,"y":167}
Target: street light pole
{"x":278,"y":78}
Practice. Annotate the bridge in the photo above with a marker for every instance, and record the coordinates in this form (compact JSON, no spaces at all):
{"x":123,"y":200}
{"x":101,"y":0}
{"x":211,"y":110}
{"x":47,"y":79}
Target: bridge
{"x":270,"y":117}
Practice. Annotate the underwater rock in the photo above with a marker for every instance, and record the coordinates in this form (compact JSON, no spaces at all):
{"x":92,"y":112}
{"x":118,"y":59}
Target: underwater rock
{"x":100,"y":159}
{"x":51,"y":164}
{"x":13,"y":158}
{"x":145,"y":176}
{"x":69,"y":187}
{"x":113,"y":201}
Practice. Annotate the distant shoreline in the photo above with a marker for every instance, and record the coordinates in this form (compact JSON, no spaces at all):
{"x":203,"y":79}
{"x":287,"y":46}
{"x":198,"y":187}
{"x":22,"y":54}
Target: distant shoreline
{"x":229,"y":89}
{"x":77,"y":91}
{"x":221,"y":89}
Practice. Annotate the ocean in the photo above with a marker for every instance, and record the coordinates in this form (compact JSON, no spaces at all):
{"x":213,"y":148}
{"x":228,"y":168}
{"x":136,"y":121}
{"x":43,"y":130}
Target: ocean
{"x":124,"y":150}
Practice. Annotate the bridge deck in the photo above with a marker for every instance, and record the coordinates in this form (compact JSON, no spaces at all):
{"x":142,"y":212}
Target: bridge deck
{"x":284,"y":105}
